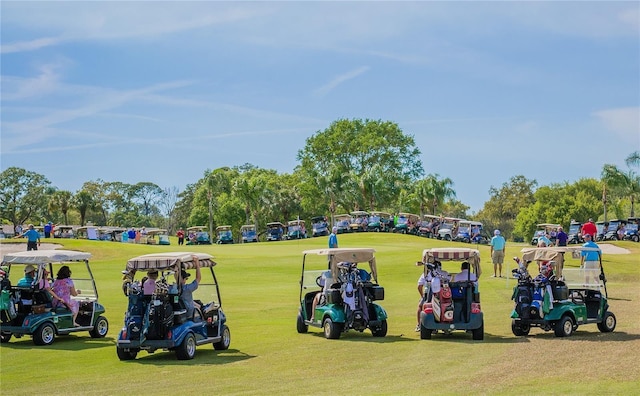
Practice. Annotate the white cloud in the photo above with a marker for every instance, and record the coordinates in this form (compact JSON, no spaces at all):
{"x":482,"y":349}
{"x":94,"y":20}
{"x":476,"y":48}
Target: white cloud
{"x":624,"y":122}
{"x":325,"y":89}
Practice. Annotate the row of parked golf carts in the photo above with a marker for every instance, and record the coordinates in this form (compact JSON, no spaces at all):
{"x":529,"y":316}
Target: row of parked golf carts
{"x":339,"y":292}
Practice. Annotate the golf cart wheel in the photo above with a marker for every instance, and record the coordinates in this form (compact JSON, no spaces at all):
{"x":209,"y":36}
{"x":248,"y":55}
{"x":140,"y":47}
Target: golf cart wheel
{"x":224,"y":343}
{"x":380,"y":331}
{"x":300,"y":325}
{"x":478,"y":334}
{"x":564,"y":327}
{"x":5,"y":336}
{"x":521,"y":329}
{"x":447,"y":237}
{"x":425,"y":334}
{"x":635,"y":238}
{"x":100,"y":329}
{"x":608,"y":323}
{"x":187,"y":350}
{"x":45,"y":334}
{"x":331,"y":330}
{"x":124,"y":354}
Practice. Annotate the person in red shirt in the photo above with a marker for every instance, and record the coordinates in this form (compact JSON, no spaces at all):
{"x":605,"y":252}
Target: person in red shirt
{"x":589,"y":228}
{"x":180,"y":235}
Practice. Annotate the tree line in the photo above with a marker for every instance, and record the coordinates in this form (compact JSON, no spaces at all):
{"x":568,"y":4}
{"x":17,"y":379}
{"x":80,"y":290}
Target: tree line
{"x":351,"y":165}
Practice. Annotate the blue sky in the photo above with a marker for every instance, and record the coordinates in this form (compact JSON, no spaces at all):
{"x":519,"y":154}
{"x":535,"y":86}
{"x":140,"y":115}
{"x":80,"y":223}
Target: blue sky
{"x":161,"y":91}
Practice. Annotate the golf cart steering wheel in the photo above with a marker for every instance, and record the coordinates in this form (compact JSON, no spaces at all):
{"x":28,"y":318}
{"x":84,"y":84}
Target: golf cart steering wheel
{"x":318,"y":279}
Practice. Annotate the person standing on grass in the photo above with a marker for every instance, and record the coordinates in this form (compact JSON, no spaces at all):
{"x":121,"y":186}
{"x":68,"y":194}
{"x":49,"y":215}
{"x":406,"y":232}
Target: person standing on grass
{"x":180,"y":235}
{"x":333,"y":238}
{"x":561,"y":237}
{"x":33,"y":238}
{"x":497,"y":253}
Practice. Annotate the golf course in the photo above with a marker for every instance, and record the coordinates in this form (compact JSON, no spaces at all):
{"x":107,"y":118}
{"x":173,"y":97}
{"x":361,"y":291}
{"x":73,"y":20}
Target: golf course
{"x":259,"y":285}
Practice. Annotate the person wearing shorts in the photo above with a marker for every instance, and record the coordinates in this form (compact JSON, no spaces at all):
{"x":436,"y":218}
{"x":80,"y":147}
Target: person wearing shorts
{"x":497,"y":253}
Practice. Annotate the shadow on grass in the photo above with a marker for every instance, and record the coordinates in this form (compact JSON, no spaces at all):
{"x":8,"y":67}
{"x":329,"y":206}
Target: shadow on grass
{"x":203,"y":357}
{"x":587,"y":334}
{"x":61,"y":343}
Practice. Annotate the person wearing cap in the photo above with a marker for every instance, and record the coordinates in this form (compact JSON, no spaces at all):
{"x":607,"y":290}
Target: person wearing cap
{"x":33,"y":238}
{"x":498,"y":244}
{"x":333,"y":238}
{"x":187,"y":289}
{"x":590,"y":259}
{"x":149,"y":284}
{"x":29,"y":276}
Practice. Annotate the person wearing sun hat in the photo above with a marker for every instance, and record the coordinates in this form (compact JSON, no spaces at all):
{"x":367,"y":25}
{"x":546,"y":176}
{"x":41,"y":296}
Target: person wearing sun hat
{"x":186,"y":294}
{"x":498,"y":244}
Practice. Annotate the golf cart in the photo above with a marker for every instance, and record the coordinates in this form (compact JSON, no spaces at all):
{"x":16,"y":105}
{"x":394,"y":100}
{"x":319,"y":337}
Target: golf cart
{"x":631,"y":232}
{"x":428,"y":226}
{"x":601,"y":229}
{"x":249,"y":233}
{"x":464,"y":231}
{"x":378,"y":222}
{"x":159,"y":320}
{"x":544,"y":229}
{"x":612,"y":232}
{"x":63,"y":231}
{"x":320,"y":226}
{"x":296,"y":229}
{"x":224,"y":234}
{"x":157,"y":236}
{"x":451,"y":305}
{"x":573,"y":236}
{"x":359,"y":221}
{"x":407,"y":223}
{"x":347,"y":294}
{"x":342,"y":222}
{"x":559,"y":298}
{"x":198,"y":235}
{"x":30,"y":310}
{"x":275,"y":231}
{"x":448,"y":229}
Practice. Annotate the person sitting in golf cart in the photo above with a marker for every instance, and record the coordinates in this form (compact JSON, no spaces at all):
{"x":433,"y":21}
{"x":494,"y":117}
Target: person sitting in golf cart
{"x":320,"y":298}
{"x":464,"y":274}
{"x":186,"y":295}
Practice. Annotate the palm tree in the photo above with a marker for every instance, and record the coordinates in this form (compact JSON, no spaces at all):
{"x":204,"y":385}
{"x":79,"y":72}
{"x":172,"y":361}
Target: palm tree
{"x":83,"y":201}
{"x":434,"y":191}
{"x":61,"y":200}
{"x":621,"y":183}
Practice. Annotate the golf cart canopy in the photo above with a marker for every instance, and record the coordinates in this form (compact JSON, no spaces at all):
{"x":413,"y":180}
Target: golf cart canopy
{"x":45,"y":257}
{"x":555,"y":254}
{"x":351,"y":255}
{"x":169,"y":261}
{"x":453,"y":254}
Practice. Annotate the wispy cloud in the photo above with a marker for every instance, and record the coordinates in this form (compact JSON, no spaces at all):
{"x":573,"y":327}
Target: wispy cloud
{"x":325,"y":89}
{"x":624,"y":122}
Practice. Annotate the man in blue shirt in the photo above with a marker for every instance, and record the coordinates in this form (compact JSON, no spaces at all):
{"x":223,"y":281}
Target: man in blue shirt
{"x":497,"y":252}
{"x":333,"y":238}
{"x":186,"y":295}
{"x":590,"y":260}
{"x":29,"y":275}
{"x":33,"y":238}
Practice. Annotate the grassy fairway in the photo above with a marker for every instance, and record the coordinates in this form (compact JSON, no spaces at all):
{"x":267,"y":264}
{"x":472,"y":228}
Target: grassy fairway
{"x":259,"y":285}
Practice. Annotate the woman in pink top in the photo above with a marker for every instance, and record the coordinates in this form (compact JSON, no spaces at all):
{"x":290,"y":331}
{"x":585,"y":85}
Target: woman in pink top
{"x":64,"y":288}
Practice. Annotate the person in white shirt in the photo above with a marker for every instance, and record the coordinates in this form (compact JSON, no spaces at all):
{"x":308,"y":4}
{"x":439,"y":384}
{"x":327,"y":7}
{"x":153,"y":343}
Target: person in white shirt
{"x":464,"y":274}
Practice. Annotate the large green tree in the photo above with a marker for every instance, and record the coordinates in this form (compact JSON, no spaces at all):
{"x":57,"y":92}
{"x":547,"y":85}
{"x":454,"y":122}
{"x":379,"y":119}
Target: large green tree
{"x":23,"y":196}
{"x":353,"y":147}
{"x":60,"y":201}
{"x":622,"y":184}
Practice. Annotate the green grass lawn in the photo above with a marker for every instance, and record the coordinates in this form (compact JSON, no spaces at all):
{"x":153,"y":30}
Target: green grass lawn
{"x":259,"y":286}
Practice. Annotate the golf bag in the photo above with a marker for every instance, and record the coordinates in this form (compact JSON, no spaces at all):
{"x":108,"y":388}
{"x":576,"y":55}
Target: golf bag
{"x":160,"y":319}
{"x":353,"y":297}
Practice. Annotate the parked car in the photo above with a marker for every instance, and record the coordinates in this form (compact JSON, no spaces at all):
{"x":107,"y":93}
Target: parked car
{"x":296,"y":229}
{"x":559,"y":299}
{"x":275,"y":231}
{"x":160,"y":320}
{"x":198,"y":235}
{"x":225,"y":235}
{"x":249,"y":233}
{"x":30,"y":311}
{"x":451,"y":304}
{"x":342,"y":223}
{"x":320,"y":226}
{"x":348,"y":294}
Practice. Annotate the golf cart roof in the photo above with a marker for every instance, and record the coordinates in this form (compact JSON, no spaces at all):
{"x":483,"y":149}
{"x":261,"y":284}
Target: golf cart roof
{"x":223,"y":228}
{"x":409,"y":215}
{"x":45,"y":256}
{"x":169,"y":260}
{"x":548,"y":225}
{"x":197,"y":228}
{"x":342,"y":216}
{"x":248,"y":227}
{"x":381,"y":214}
{"x":359,"y":213}
{"x":554,"y":253}
{"x":453,"y":254}
{"x":275,"y":224}
{"x":296,"y":222}
{"x":157,"y":231}
{"x":316,"y":219}
{"x":351,"y":255}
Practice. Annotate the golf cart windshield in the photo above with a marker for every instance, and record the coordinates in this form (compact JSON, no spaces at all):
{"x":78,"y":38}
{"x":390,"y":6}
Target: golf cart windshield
{"x":574,"y":228}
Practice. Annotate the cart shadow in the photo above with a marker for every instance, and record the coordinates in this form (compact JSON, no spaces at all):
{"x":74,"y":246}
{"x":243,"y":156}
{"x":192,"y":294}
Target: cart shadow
{"x":62,"y":343}
{"x":202,"y":357}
